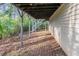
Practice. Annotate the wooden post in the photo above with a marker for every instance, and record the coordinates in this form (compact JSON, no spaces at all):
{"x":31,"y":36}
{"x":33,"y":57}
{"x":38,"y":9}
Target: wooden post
{"x":21,"y":33}
{"x":35,"y":25}
{"x":45,"y":26}
{"x":29,"y":27}
{"x":32,"y":25}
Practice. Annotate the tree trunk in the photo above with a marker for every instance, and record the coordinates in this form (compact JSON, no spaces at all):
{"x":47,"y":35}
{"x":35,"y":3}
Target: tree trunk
{"x":21,"y":27}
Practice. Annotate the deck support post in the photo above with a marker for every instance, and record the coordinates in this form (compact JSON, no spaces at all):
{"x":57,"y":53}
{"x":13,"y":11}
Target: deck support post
{"x":45,"y":26}
{"x":35,"y":25}
{"x":29,"y":27}
{"x":32,"y":25}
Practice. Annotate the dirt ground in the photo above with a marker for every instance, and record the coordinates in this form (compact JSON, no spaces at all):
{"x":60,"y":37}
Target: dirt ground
{"x":39,"y":44}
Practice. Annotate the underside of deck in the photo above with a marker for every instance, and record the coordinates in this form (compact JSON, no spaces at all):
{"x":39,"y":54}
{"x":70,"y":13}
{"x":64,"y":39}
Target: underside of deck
{"x":39,"y":10}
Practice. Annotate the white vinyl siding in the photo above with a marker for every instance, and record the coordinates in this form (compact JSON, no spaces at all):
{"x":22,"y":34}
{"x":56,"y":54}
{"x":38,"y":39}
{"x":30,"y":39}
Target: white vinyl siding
{"x":66,"y":28}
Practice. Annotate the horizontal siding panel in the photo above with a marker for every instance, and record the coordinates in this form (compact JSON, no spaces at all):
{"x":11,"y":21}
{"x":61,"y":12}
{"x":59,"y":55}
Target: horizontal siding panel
{"x":67,"y":23}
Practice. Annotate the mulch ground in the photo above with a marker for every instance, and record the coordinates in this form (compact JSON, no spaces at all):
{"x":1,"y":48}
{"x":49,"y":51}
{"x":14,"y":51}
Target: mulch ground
{"x":39,"y":44}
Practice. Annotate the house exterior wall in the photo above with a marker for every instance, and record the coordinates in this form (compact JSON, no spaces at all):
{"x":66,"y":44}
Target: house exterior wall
{"x":64,"y":26}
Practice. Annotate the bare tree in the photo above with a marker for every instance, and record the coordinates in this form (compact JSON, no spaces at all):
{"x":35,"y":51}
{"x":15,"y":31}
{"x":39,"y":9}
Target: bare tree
{"x":21,"y":26}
